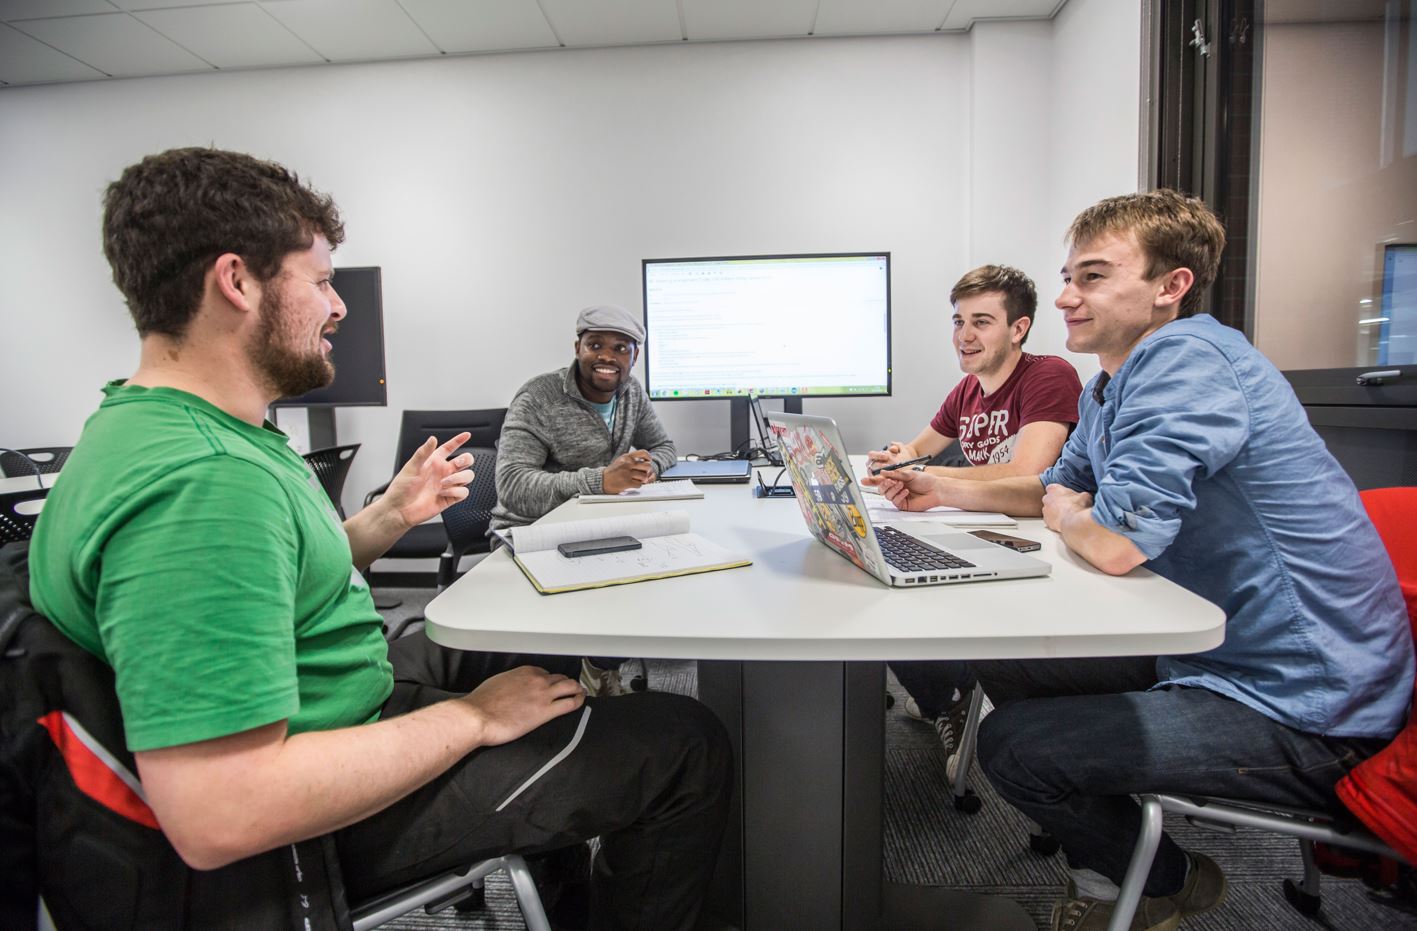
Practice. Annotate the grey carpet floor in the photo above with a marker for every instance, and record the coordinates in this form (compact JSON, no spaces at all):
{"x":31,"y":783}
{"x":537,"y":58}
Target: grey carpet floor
{"x":928,"y":842}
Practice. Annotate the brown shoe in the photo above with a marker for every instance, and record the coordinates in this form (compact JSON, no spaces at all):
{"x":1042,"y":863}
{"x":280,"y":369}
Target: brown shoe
{"x":1078,"y":914}
{"x":1205,"y":886}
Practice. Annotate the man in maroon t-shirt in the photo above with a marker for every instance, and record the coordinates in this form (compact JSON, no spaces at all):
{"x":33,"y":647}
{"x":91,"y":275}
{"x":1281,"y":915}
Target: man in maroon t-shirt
{"x":1011,"y":414}
{"x":1012,"y":411}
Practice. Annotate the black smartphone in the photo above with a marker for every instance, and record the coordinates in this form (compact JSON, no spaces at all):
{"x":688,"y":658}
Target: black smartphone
{"x":598,"y":547}
{"x":1017,"y":544}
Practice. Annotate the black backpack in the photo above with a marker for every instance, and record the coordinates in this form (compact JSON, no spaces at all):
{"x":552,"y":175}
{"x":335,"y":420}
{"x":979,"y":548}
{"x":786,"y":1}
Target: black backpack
{"x":74,"y":827}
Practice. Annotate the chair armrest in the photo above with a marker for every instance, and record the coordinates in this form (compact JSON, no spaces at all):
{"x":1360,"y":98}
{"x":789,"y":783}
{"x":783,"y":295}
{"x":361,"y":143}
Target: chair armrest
{"x":374,"y":495}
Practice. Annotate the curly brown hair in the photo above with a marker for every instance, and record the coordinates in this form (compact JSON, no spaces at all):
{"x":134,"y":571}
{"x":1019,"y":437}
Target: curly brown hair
{"x":1173,"y":230}
{"x":168,"y":217}
{"x":1016,"y":289}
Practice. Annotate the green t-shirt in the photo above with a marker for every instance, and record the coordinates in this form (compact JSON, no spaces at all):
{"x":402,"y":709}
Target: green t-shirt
{"x":198,"y":556}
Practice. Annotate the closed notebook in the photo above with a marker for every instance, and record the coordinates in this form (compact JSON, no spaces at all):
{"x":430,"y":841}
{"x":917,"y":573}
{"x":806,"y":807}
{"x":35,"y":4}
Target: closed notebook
{"x":667,"y":549}
{"x":654,"y":491}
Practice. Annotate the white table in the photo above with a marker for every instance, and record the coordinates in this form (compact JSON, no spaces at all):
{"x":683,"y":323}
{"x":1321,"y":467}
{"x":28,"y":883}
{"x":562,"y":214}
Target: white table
{"x":804,"y":848}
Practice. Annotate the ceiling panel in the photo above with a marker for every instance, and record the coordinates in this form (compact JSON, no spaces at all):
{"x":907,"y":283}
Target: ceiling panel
{"x":353,"y":30}
{"x":614,"y":22}
{"x":47,"y":9}
{"x":165,"y":4}
{"x":748,"y":19}
{"x":114,"y":43}
{"x":965,"y":12}
{"x":850,"y":17}
{"x":482,"y":25}
{"x":24,"y":60}
{"x":238,"y":35}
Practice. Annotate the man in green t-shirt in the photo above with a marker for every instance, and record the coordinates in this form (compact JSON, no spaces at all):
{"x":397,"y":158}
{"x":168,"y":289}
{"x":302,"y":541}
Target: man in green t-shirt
{"x":190,"y":548}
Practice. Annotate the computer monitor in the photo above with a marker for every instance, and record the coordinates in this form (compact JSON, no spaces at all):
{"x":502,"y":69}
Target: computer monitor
{"x":788,"y":326}
{"x":1397,"y":340}
{"x":357,"y":347}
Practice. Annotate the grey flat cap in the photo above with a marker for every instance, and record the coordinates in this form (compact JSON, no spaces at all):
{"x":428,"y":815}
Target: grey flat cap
{"x":612,"y":318}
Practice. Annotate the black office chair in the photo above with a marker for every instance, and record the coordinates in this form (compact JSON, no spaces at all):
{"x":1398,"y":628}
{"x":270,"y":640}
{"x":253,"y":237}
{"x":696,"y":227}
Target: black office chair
{"x":131,"y":874}
{"x":428,"y":541}
{"x":331,"y":467}
{"x":465,"y":523}
{"x":45,"y":460}
{"x":18,"y":512}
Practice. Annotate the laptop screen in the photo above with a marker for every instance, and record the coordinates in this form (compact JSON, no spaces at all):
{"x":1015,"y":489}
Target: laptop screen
{"x":831,"y":503}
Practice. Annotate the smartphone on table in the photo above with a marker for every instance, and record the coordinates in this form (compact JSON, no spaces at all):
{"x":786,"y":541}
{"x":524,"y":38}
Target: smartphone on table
{"x":598,"y":547}
{"x":1017,"y":544}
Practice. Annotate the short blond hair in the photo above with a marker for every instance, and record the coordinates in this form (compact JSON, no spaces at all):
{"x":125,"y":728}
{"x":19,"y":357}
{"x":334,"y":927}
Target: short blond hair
{"x":1173,"y":230}
{"x":1019,"y":296}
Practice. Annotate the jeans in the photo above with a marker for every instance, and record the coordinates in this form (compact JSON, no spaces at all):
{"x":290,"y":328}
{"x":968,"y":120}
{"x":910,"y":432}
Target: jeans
{"x":649,"y":776}
{"x":1070,"y":741}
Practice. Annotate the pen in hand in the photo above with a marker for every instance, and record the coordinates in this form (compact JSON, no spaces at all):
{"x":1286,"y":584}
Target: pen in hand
{"x":900,"y":465}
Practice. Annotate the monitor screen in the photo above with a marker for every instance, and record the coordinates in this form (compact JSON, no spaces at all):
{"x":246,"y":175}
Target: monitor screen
{"x":768,"y":325}
{"x":1397,"y":342}
{"x":357,"y":346}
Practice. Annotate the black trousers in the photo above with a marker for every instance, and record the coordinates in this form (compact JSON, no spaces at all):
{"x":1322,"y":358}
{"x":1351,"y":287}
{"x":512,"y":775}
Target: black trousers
{"x":648,"y":773}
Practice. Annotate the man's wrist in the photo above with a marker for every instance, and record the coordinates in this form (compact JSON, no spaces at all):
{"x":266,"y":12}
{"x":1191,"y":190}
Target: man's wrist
{"x":388,"y":520}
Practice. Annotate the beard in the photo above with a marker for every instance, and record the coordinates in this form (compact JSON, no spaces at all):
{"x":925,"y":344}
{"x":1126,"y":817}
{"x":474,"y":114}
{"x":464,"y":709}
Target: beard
{"x":286,"y":371}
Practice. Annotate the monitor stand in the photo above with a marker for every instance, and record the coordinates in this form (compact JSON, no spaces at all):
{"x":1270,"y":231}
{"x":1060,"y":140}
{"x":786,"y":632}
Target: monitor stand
{"x":740,"y":419}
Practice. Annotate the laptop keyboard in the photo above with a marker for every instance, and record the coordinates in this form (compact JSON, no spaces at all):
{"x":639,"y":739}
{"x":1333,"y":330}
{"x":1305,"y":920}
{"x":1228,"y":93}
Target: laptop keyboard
{"x":909,"y":554}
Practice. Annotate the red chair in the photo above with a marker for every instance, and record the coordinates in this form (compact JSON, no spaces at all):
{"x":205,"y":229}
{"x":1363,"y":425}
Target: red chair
{"x":1381,"y":791}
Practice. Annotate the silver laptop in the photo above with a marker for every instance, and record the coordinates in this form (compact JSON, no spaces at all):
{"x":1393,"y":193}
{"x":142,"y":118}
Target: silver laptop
{"x":710,"y":471}
{"x":905,"y":556}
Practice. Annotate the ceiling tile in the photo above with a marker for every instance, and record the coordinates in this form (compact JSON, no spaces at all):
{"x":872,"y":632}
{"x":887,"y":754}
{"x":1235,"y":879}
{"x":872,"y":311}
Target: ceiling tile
{"x":851,"y":17}
{"x":353,"y":30}
{"x":965,"y":12}
{"x":614,"y":22}
{"x":114,"y":43}
{"x":48,"y":9}
{"x":747,"y":19}
{"x":482,"y":25}
{"x":238,"y":35}
{"x":24,"y":60}
{"x":165,"y":4}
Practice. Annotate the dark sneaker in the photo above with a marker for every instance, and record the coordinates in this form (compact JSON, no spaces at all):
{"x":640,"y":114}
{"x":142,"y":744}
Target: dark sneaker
{"x":1205,"y":886}
{"x":950,"y":725}
{"x":1077,"y":914}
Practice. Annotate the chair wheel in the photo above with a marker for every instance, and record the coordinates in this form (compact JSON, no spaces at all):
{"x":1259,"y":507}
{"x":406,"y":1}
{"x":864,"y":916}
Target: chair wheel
{"x":1045,"y":845}
{"x":1304,"y":903}
{"x":639,"y":684}
{"x":969,"y":803}
{"x":475,"y":901}
{"x":890,"y":701}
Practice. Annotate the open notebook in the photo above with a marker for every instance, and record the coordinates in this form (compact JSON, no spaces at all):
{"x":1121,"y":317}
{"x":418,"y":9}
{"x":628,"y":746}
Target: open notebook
{"x":654,"y":491}
{"x":668,"y":549}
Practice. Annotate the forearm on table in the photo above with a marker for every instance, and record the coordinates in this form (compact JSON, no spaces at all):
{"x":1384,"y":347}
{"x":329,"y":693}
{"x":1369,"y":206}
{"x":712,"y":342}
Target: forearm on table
{"x":1019,"y":496}
{"x":1105,"y":549}
{"x":225,"y":808}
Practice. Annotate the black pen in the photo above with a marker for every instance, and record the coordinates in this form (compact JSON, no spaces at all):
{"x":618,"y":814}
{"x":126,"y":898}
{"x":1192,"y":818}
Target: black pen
{"x":900,"y":465}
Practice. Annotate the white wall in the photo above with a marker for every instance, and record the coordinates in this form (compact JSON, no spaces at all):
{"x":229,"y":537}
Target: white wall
{"x":502,"y":193}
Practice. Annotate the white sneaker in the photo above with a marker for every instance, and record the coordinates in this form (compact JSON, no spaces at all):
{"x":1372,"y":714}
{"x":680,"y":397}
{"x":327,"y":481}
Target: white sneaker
{"x":600,"y":683}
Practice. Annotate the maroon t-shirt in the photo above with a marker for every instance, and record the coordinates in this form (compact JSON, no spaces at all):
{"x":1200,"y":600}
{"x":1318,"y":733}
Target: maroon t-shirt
{"x":1040,"y":388}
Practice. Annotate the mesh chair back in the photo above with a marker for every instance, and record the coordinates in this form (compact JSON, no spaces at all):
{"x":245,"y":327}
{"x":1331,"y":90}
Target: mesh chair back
{"x":43,"y":459}
{"x":466,"y":522}
{"x":331,"y":467}
{"x":18,"y":512}
{"x":417,"y":426}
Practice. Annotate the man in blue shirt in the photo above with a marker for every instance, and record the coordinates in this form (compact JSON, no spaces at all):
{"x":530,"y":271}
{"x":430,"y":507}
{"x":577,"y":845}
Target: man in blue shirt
{"x":1192,"y":457}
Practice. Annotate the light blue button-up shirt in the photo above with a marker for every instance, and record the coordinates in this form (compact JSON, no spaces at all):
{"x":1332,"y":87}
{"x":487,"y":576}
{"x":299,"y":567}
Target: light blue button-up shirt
{"x":1200,"y":454}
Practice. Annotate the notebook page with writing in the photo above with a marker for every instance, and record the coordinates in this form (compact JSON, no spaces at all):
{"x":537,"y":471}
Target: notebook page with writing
{"x":654,"y":491}
{"x":537,"y":537}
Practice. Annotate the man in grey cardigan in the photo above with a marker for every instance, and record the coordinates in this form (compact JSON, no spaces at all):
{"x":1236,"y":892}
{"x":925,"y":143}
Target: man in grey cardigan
{"x":584,"y":429}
